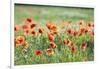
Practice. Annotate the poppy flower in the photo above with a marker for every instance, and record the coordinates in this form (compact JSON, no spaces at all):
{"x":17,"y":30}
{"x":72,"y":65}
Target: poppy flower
{"x":34,"y":33}
{"x":65,"y":41}
{"x":54,"y":28}
{"x":73,"y":49}
{"x":25,"y":27}
{"x":69,"y":31}
{"x":26,"y":32}
{"x":82,"y":30}
{"x":50,"y":37}
{"x":75,"y":33}
{"x":92,"y":33}
{"x":81,"y":22}
{"x":41,"y":30}
{"x":90,"y":24}
{"x":33,"y":25}
{"x":86,"y":30}
{"x":83,"y":46}
{"x":19,"y":40}
{"x":52,"y":44}
{"x":50,"y":51}
{"x":38,"y":52}
{"x":48,"y":25}
{"x":29,"y":20}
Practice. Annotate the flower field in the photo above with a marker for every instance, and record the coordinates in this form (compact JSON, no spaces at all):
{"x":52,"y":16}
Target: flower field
{"x":48,"y":34}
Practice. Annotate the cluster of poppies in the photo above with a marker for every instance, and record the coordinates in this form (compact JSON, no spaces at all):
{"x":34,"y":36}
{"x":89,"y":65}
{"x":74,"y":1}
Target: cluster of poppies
{"x":69,"y":28}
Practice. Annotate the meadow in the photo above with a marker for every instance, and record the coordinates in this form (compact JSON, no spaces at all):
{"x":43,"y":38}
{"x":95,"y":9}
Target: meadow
{"x":51,"y":34}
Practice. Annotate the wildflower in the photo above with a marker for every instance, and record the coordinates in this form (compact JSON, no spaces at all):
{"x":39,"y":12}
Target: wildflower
{"x":50,"y":37}
{"x":54,"y":28}
{"x":34,"y":33}
{"x":38,"y":52}
{"x":41,"y":30}
{"x":73,"y":49}
{"x":29,"y":20}
{"x":50,"y":51}
{"x":69,"y":31}
{"x":81,"y":22}
{"x":19,"y":40}
{"x":33,"y":25}
{"x":65,"y":41}
{"x":75,"y":33}
{"x":25,"y":27}
{"x":92,"y":33}
{"x":48,"y":25}
{"x":53,"y":45}
{"x":83,"y":46}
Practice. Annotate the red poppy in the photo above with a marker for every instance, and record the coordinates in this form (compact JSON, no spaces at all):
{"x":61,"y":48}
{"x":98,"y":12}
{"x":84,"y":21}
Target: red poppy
{"x":48,"y":25}
{"x":73,"y":49}
{"x":92,"y":33}
{"x":50,"y":37}
{"x":25,"y":26}
{"x":54,"y":28}
{"x":29,"y":20}
{"x":69,"y":31}
{"x":83,"y":46}
{"x":19,"y":40}
{"x":50,"y":52}
{"x":38,"y":52}
{"x":34,"y":33}
{"x":53,"y":45}
{"x":41,"y":30}
{"x":81,"y":22}
{"x":75,"y":33}
{"x":33,"y":25}
{"x":65,"y":41}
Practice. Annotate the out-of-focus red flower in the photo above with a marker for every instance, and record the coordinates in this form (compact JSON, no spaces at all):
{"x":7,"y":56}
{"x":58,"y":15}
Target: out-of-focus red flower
{"x":65,"y":41}
{"x":89,"y":25}
{"x":26,"y":32}
{"x":53,"y":45}
{"x":73,"y":49}
{"x":34,"y":33}
{"x":19,"y":40}
{"x":75,"y":33}
{"x":29,"y":20}
{"x":38,"y":52}
{"x":54,"y":28}
{"x":50,"y":52}
{"x":25,"y":27}
{"x":83,"y":46}
{"x":50,"y":37}
{"x":48,"y":25}
{"x":92,"y":33}
{"x":86,"y":30}
{"x":81,"y":22}
{"x":41,"y":30}
{"x":69,"y":31}
{"x":33,"y":25}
